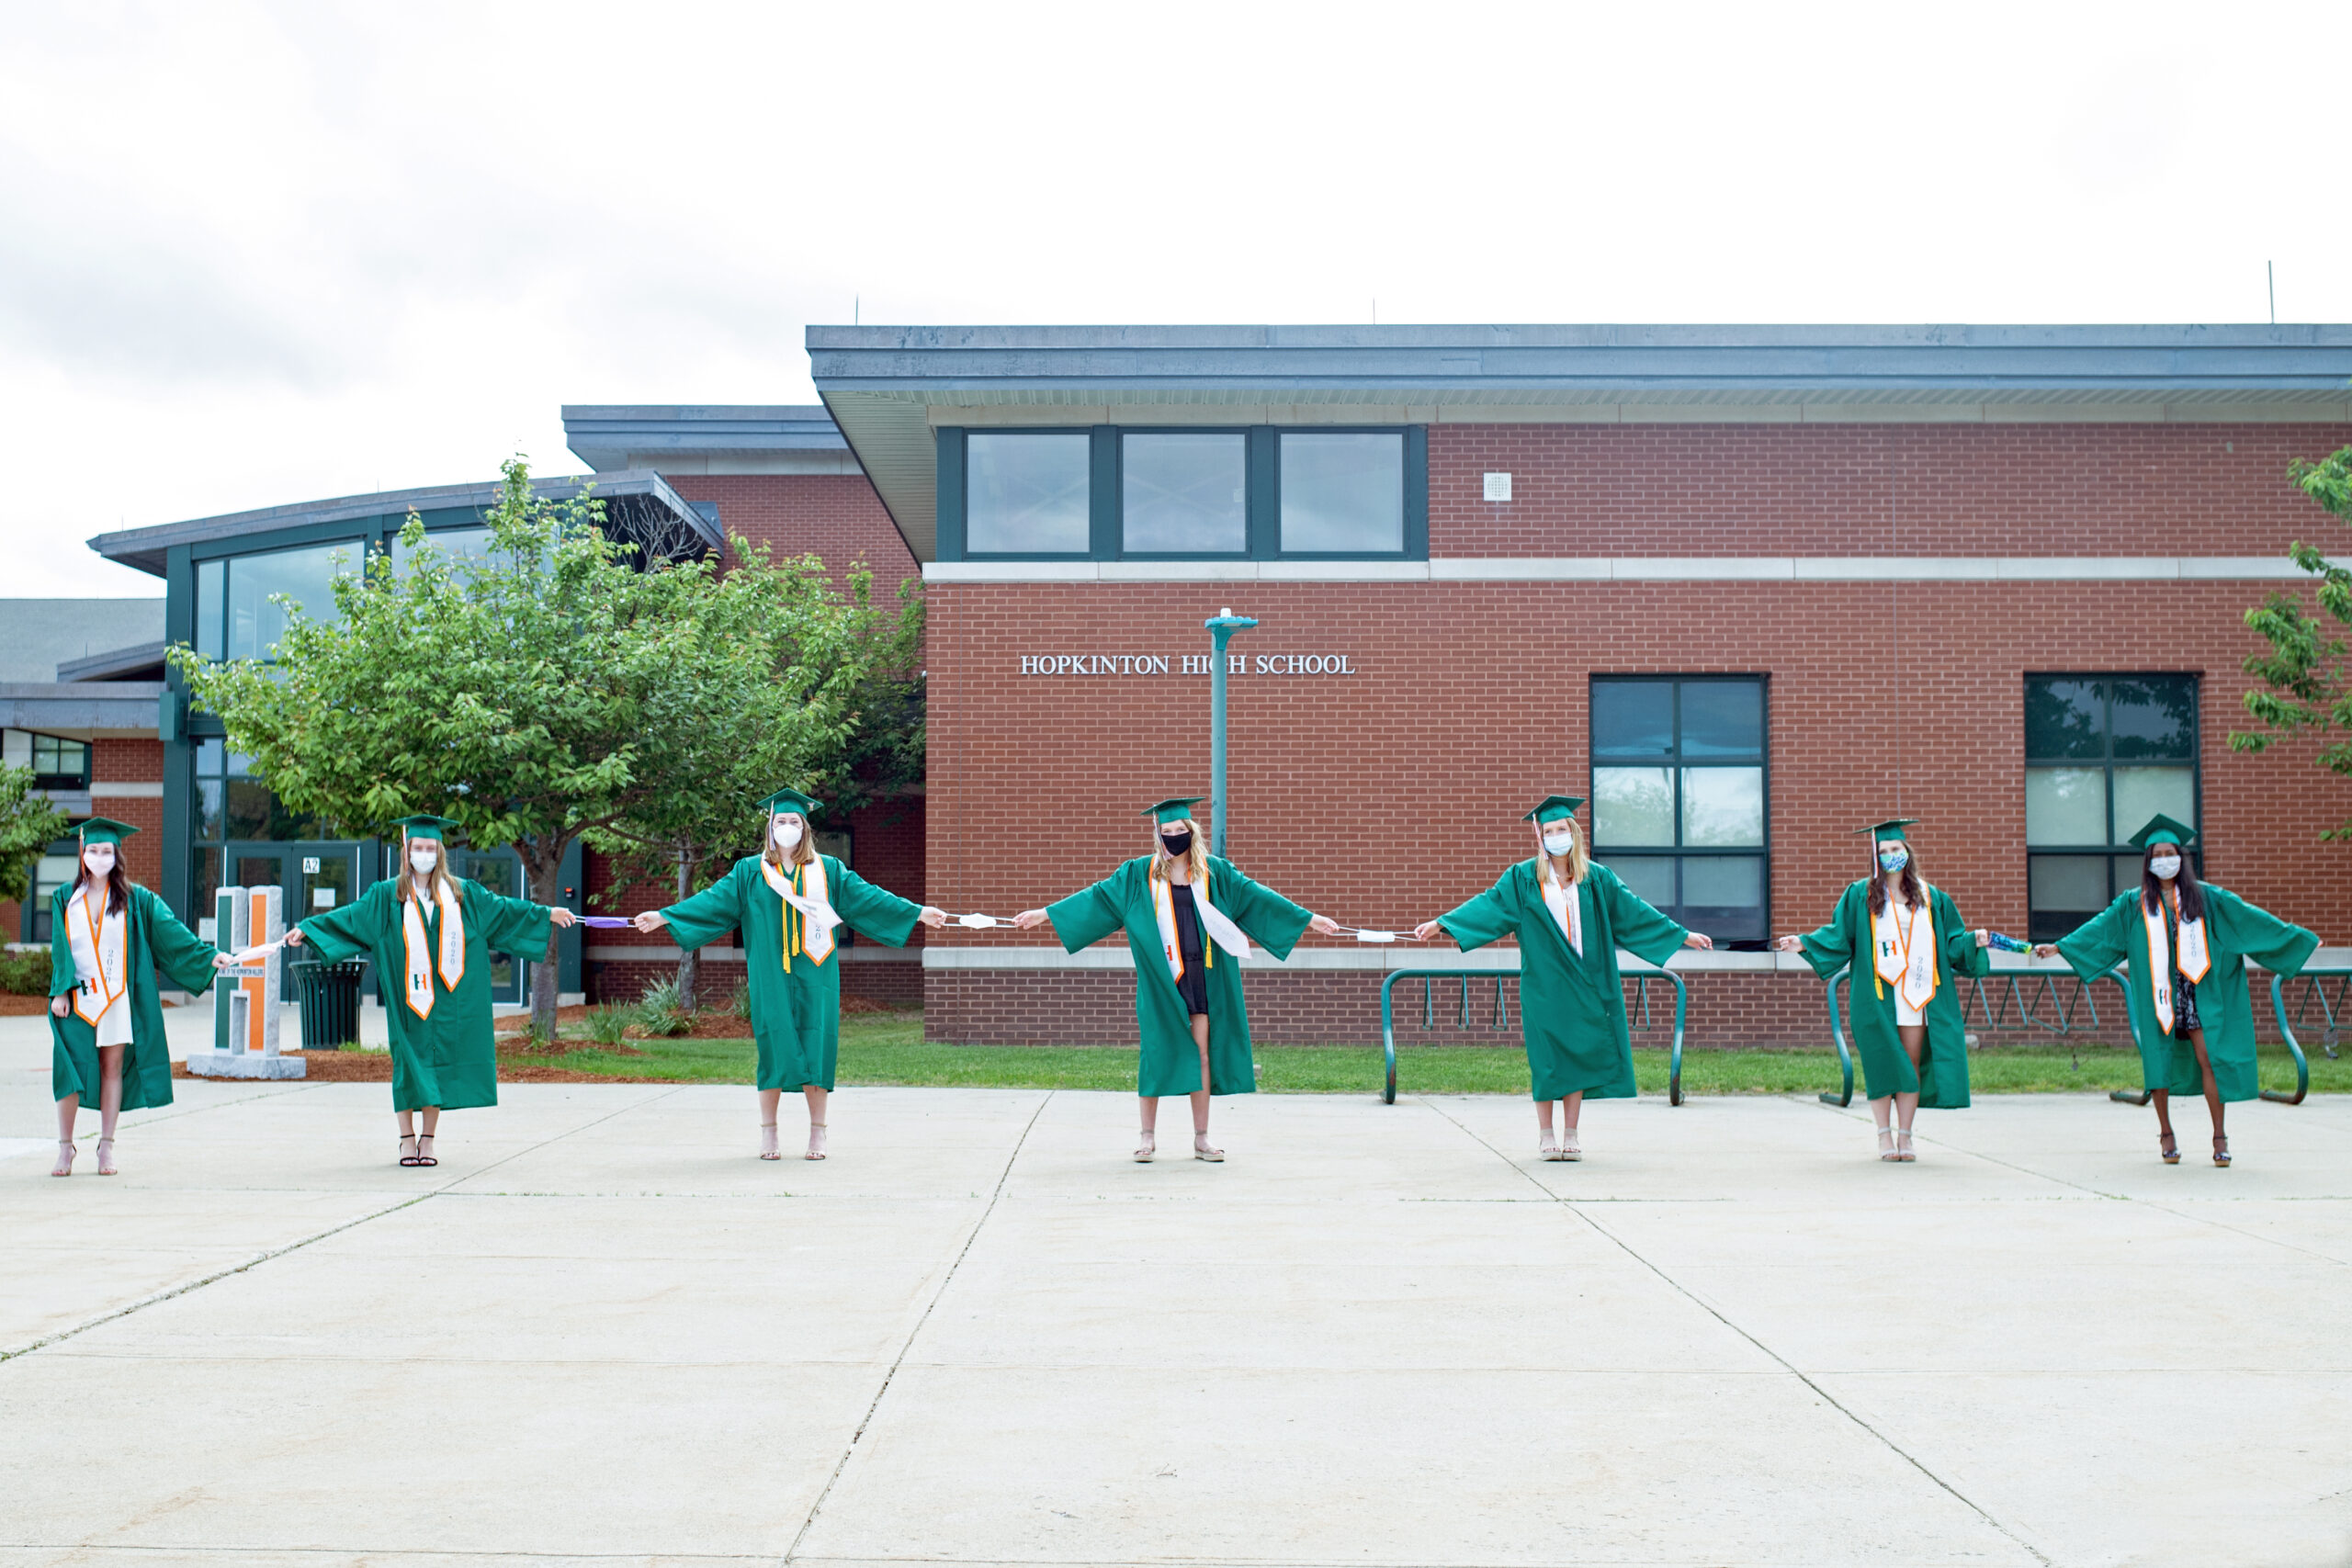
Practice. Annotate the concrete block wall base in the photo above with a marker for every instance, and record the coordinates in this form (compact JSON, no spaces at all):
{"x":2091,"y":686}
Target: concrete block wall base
{"x":245,"y":1064}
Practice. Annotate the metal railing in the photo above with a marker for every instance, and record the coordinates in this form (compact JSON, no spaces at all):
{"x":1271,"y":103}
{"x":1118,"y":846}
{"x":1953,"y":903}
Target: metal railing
{"x":1500,"y":1019}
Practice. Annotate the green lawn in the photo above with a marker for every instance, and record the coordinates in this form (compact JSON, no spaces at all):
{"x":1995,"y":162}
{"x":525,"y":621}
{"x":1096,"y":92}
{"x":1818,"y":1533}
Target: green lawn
{"x":887,"y":1048}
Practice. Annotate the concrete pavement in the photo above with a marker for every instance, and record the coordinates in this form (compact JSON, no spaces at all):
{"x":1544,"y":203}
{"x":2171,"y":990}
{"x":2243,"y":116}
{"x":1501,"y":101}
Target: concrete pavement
{"x":1379,"y":1335}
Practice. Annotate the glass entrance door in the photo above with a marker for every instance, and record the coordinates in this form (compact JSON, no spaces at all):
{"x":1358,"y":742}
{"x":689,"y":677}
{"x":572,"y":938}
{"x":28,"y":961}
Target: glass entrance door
{"x":316,"y":877}
{"x":501,"y":870}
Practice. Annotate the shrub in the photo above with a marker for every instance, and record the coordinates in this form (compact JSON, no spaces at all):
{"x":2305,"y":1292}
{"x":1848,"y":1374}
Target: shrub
{"x":25,"y":973}
{"x":739,"y":1004}
{"x":659,"y":1013}
{"x":608,"y":1025}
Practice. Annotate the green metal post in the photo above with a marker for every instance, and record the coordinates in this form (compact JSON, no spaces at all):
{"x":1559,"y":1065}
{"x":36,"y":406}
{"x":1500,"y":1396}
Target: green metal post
{"x":1221,"y":627}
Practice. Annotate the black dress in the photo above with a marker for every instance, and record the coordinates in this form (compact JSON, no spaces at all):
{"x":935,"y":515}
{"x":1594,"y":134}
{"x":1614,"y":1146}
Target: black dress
{"x":1194,"y":986}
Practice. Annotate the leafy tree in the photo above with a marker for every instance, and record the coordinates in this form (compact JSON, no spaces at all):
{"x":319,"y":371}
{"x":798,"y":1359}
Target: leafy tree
{"x":29,"y":823}
{"x":2305,"y":686}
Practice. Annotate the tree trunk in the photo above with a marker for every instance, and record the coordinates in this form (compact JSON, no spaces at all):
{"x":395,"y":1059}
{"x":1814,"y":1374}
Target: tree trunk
{"x":543,"y":878}
{"x":689,"y":958}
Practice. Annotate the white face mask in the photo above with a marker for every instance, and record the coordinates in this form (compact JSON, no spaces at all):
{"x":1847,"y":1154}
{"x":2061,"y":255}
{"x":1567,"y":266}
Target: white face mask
{"x":786,"y":835}
{"x":422,"y":860}
{"x":1558,"y":844}
{"x":2166,"y":867}
{"x":99,"y":858}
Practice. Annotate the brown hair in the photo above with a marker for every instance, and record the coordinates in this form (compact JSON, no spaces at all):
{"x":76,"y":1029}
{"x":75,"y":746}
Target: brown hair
{"x":441,"y":877}
{"x":118,"y":884}
{"x":1915,"y":891}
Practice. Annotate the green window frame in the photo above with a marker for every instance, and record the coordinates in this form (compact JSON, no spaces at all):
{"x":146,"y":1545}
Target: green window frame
{"x":2103,"y":753}
{"x":1680,"y":781}
{"x":59,"y":762}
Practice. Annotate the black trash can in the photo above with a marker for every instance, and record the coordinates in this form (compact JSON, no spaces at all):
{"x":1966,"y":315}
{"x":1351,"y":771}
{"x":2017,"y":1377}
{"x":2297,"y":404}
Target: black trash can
{"x":329,"y":998}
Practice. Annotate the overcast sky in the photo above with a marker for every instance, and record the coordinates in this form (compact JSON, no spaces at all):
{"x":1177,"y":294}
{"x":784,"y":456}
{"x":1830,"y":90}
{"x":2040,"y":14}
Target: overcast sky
{"x":260,"y":253}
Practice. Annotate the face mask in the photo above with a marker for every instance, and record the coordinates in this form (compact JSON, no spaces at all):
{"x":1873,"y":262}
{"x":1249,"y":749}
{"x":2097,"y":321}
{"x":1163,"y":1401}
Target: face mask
{"x":1895,"y":859}
{"x":2166,"y":867}
{"x":422,"y":862}
{"x":1558,"y":844}
{"x":1179,"y":844}
{"x":786,"y":835}
{"x":99,"y":859}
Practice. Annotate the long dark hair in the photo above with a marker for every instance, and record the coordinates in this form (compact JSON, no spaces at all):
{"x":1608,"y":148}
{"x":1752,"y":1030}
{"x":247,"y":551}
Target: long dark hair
{"x":2185,"y":884}
{"x":1915,"y":891}
{"x":118,"y":884}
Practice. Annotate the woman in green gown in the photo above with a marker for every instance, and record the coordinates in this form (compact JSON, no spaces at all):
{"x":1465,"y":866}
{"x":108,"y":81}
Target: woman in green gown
{"x":2185,"y":943}
{"x":786,"y":900}
{"x":1907,"y":1019}
{"x":107,"y":938}
{"x":431,"y":935}
{"x":1189,"y":917}
{"x":1570,"y":917}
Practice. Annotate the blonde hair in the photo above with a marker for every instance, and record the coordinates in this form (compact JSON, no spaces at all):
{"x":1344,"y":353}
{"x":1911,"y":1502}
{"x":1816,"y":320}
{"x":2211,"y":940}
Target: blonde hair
{"x":1196,"y":859}
{"x":802,"y":852}
{"x":442,"y":881}
{"x":1578,"y":862}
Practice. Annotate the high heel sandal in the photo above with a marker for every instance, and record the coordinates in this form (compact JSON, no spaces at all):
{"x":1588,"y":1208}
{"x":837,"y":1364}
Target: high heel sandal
{"x":1886,"y":1149}
{"x":768,"y":1149}
{"x":816,"y":1137}
{"x":1570,"y":1149}
{"x":106,"y":1156}
{"x":422,"y":1157}
{"x":2168,"y":1148}
{"x":1547,"y":1147}
{"x":1148,"y":1150}
{"x":1201,"y":1149}
{"x":2221,"y":1152}
{"x":1902,"y":1149}
{"x":64,"y":1166}
{"x":408,"y":1149}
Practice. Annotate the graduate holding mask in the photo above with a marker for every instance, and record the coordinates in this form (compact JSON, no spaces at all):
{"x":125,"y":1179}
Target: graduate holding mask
{"x":107,"y":936}
{"x":2185,"y":943}
{"x":431,"y":935}
{"x":787,"y":901}
{"x":1905,"y":944}
{"x":1190,"y":918}
{"x":1570,"y":917}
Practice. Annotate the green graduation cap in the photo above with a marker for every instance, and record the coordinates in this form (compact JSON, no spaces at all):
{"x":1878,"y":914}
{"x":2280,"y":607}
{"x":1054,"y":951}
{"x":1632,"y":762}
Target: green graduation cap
{"x":105,"y":831}
{"x":1890,"y":829}
{"x":2162,"y":830}
{"x":425,"y":826}
{"x":1555,"y":807}
{"x":1175,"y":809}
{"x":791,"y":800}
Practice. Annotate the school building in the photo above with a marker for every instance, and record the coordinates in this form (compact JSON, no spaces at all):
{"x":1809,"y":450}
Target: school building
{"x":1746,"y":588}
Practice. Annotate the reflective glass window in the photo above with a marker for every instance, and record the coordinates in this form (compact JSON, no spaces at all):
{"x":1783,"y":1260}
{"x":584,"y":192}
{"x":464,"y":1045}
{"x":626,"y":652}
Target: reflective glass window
{"x":1025,"y":493}
{"x":1699,"y":791}
{"x":1342,"y":491}
{"x":2104,"y":753}
{"x":1184,"y":493}
{"x":252,"y":619}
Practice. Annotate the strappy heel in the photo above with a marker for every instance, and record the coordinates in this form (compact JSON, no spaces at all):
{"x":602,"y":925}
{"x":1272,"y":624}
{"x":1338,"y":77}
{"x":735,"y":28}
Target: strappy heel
{"x":1547,"y":1147}
{"x":106,"y":1156}
{"x":64,"y":1166}
{"x":816,"y":1137}
{"x":1902,"y":1149}
{"x":768,"y":1149}
{"x":1148,"y":1150}
{"x":1201,"y":1149}
{"x":1886,"y":1149}
{"x":1570,"y":1150}
{"x":408,"y":1149}
{"x":2168,"y":1148}
{"x":2221,"y":1152}
{"x":422,"y":1157}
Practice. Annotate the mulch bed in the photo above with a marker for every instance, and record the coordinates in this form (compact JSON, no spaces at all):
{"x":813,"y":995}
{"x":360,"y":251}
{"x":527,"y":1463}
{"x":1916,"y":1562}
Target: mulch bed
{"x":709,"y":1023}
{"x":513,"y":1066}
{"x":14,"y":1006}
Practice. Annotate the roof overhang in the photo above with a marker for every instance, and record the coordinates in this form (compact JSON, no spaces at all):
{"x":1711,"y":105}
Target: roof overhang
{"x":135,"y":664}
{"x":711,"y":438}
{"x":639,"y":505}
{"x":890,"y":388}
{"x":86,"y":710}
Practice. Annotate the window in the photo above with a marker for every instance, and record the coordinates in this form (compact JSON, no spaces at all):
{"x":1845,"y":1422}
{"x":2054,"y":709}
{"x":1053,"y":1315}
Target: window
{"x":1026,"y":493}
{"x":1343,"y":492}
{"x":56,"y":762}
{"x":1678,"y":798}
{"x":236,"y":617}
{"x":52,"y":871}
{"x":461,"y":547}
{"x":1184,"y":494}
{"x":232,"y":805}
{"x":2103,"y":753}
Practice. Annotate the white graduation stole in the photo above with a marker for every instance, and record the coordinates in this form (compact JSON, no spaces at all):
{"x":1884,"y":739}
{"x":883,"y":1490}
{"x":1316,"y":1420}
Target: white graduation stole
{"x":1221,"y":929}
{"x":2196,"y":963}
{"x":1566,"y":909}
{"x":418,"y":953}
{"x":111,"y":969}
{"x":814,"y":935}
{"x":1904,"y":950}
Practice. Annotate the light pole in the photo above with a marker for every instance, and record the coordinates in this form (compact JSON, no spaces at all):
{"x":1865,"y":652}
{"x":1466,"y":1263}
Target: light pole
{"x":1221,"y":627}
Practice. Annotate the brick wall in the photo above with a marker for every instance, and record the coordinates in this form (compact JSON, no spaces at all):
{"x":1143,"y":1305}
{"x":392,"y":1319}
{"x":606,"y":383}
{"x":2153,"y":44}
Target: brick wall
{"x":893,"y":985}
{"x":1931,"y":489}
{"x":837,"y":516}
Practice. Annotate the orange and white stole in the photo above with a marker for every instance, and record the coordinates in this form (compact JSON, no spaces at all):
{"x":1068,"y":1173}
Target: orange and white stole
{"x":1903,"y":944}
{"x":1215,"y":923}
{"x":1566,"y":904}
{"x":419,"y":950}
{"x":2196,"y":963}
{"x":812,"y":933}
{"x":107,"y":971}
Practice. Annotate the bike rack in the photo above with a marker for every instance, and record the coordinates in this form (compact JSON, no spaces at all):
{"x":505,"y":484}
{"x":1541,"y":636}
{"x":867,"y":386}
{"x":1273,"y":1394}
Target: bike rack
{"x":2029,"y":1017}
{"x":1428,"y":978}
{"x":2287,"y":1032}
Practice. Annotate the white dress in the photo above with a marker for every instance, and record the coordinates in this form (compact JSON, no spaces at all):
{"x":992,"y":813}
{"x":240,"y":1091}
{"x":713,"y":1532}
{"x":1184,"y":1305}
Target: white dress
{"x":114,"y":1024}
{"x":1904,"y":1013}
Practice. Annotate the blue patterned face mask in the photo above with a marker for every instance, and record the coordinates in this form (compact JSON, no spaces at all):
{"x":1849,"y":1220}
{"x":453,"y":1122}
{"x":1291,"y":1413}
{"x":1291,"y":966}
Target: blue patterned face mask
{"x":1893,"y":858}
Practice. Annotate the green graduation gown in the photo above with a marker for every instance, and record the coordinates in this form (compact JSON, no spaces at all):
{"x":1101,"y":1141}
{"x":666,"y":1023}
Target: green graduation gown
{"x":152,"y":937}
{"x":1170,"y":1063}
{"x":1941,"y":1080}
{"x":795,"y":1013}
{"x":1571,"y":1009}
{"x":2235,"y":931}
{"x":449,"y":1060}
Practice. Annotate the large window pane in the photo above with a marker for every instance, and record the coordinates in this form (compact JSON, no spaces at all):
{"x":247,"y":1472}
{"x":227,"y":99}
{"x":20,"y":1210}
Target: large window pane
{"x":1723,"y":719}
{"x":2066,"y":805}
{"x":1632,"y":718}
{"x":2063,"y":718}
{"x":1724,"y":881}
{"x":1184,"y":494}
{"x":1026,"y":493}
{"x":211,"y":580}
{"x":2155,"y":716}
{"x":1723,"y":807}
{"x":1650,"y":877}
{"x":1633,"y":805}
{"x":49,"y":873}
{"x":2072,"y":883}
{"x":461,"y":547}
{"x":208,"y":808}
{"x":1343,"y":491}
{"x":255,"y":623}
{"x":2141,"y":793}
